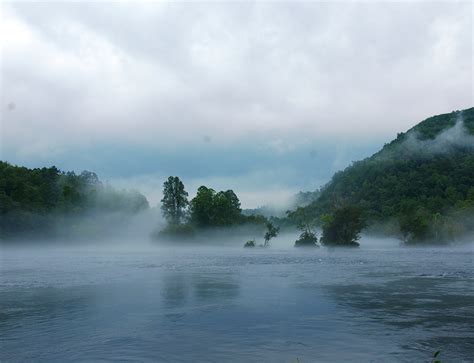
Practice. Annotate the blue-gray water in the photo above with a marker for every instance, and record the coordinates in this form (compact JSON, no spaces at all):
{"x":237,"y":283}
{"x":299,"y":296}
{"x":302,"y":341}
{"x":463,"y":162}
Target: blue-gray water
{"x":212,"y":304}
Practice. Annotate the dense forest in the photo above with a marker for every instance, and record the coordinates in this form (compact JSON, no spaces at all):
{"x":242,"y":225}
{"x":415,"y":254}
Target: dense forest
{"x":420,"y":186}
{"x":46,"y":202}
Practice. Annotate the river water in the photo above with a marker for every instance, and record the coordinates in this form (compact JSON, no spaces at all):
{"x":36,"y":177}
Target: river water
{"x":380,"y":303}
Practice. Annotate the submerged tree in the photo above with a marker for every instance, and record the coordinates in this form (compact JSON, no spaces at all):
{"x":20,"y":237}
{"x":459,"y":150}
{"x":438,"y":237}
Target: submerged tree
{"x":250,"y":244}
{"x":343,"y":227}
{"x":307,"y":239}
{"x":305,"y":221}
{"x":175,"y":200}
{"x":272,"y":232}
{"x":306,"y":224}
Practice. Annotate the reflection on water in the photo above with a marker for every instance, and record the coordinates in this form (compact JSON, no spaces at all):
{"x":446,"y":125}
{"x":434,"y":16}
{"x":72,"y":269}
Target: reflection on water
{"x":372,"y":304}
{"x":178,"y":288}
{"x":175,"y":290}
{"x":215,"y":288}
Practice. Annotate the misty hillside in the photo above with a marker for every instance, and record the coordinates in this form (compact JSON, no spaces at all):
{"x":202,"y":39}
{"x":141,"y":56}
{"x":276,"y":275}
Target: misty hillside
{"x":301,"y":199}
{"x":47,"y":202}
{"x":420,"y":185}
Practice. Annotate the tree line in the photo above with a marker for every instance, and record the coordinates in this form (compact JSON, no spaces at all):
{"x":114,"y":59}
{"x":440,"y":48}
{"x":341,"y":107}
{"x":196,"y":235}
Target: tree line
{"x":41,"y":202}
{"x":208,"y":209}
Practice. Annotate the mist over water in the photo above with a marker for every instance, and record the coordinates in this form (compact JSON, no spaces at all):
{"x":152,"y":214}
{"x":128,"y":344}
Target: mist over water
{"x":219,"y":125}
{"x":143,"y":301}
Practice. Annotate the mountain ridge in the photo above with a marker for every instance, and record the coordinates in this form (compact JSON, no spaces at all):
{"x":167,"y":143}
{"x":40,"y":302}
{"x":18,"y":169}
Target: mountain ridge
{"x":414,"y":179}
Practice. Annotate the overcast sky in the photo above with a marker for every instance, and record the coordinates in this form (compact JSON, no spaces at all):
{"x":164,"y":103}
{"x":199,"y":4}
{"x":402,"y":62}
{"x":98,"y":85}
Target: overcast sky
{"x":265,"y":98}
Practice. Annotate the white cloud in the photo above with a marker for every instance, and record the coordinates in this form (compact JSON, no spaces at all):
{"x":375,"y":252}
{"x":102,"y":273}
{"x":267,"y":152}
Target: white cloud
{"x":165,"y":73}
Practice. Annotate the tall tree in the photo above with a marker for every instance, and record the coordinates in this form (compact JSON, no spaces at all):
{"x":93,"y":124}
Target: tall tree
{"x":202,"y":207}
{"x":226,"y":208}
{"x":175,"y":200}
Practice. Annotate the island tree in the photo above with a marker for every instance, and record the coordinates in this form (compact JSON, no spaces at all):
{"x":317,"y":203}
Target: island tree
{"x":271,"y":232}
{"x":343,"y":226}
{"x":211,"y":209}
{"x":306,"y":223}
{"x":175,"y":201}
{"x":250,"y":244}
{"x":201,"y":207}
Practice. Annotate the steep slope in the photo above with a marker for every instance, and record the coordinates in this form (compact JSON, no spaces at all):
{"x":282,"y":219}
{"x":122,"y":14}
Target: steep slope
{"x":421,"y":184}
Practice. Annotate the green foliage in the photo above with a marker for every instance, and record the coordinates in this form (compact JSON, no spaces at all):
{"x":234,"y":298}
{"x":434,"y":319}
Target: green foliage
{"x":42,"y":201}
{"x":211,"y":209}
{"x":307,"y":239}
{"x":435,"y":357}
{"x":175,"y":200}
{"x":256,"y":219}
{"x":226,"y":209}
{"x":303,"y":218}
{"x":421,"y":190}
{"x":208,"y":209}
{"x":342,"y":227}
{"x":177,"y":231}
{"x":305,"y":221}
{"x":271,"y":232}
{"x":249,"y":244}
{"x":201,"y":207}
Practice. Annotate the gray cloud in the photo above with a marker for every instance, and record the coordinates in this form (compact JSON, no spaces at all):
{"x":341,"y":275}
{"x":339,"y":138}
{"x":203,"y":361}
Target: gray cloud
{"x":281,"y":76}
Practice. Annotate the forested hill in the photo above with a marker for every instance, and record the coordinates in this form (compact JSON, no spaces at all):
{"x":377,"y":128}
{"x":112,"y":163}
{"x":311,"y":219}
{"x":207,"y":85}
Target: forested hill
{"x":46,"y":202}
{"x":420,"y":185}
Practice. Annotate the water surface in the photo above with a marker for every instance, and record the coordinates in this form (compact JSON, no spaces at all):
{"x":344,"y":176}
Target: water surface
{"x":211,"y":304}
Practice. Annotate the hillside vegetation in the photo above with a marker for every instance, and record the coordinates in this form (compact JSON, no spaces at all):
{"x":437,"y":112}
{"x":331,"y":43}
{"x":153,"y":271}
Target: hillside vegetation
{"x":420,"y":185}
{"x":46,"y":202}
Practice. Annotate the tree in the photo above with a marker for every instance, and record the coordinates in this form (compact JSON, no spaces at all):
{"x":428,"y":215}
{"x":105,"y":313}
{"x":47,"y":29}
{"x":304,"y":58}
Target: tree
{"x":343,"y":227}
{"x":175,"y":200}
{"x":226,"y":208}
{"x":48,"y":202}
{"x":305,"y":221}
{"x":211,"y":209}
{"x":306,"y":224}
{"x":201,"y":207}
{"x":307,"y":239}
{"x":415,"y":224}
{"x":272,"y":232}
{"x":249,"y":244}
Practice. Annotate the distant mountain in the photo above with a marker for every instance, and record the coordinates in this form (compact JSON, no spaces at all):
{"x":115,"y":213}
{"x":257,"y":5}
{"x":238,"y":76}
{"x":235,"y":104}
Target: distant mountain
{"x":300,"y":199}
{"x":420,"y":185}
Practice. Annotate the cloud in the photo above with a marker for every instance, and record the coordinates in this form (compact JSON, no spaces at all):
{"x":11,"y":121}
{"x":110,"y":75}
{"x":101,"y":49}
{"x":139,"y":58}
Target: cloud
{"x":114,"y":86}
{"x":164,"y":72}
